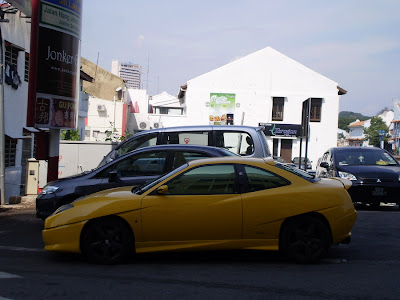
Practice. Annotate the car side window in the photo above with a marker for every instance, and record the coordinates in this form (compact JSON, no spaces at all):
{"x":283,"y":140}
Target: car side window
{"x":237,"y":142}
{"x":204,"y":180}
{"x":140,"y":142}
{"x":262,"y":180}
{"x":183,"y":157}
{"x":143,"y":164}
{"x":189,"y":138}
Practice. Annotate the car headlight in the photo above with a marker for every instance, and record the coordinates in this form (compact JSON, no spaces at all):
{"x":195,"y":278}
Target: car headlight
{"x":63,"y":208}
{"x":346,"y":175}
{"x":49,"y":189}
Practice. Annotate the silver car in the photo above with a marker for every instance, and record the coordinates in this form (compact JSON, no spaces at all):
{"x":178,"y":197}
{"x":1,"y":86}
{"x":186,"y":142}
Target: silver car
{"x":242,"y":140}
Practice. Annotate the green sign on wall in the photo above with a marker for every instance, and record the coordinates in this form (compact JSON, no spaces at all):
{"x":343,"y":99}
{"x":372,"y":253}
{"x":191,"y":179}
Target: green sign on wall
{"x":222,"y":109}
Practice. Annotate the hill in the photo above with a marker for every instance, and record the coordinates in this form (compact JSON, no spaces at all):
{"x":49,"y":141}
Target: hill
{"x":346,"y":117}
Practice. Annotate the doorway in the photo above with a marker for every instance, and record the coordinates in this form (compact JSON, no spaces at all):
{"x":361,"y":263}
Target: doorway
{"x":286,"y":149}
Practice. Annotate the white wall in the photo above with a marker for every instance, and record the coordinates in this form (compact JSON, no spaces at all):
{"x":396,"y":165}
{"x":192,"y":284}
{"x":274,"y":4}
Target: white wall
{"x":17,"y":32}
{"x":101,"y":121}
{"x":258,"y":77}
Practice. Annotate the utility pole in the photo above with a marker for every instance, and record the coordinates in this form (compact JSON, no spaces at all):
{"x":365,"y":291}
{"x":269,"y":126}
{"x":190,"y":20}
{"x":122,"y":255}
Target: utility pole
{"x":2,"y":126}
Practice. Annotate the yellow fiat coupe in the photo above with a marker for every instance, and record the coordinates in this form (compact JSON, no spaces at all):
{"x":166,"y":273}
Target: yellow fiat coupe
{"x":209,"y":204}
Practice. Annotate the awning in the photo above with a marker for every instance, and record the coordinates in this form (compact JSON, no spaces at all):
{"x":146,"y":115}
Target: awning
{"x":31,"y":129}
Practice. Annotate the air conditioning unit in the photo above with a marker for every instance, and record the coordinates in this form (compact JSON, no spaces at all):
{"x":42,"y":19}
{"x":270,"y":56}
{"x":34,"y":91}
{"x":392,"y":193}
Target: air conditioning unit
{"x":144,"y":125}
{"x":157,"y":125}
{"x":101,"y":108}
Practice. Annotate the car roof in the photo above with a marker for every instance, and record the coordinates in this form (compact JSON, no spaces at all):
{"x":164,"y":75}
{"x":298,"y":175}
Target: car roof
{"x":234,"y":159}
{"x":197,"y":128}
{"x":184,"y":147}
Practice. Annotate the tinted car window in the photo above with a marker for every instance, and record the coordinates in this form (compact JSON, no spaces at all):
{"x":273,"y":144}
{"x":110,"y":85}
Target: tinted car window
{"x":236,"y":142}
{"x":262,"y":180}
{"x":143,"y":141}
{"x":298,"y":172}
{"x":143,"y":164}
{"x":204,"y":180}
{"x":189,"y":138}
{"x":183,"y":157}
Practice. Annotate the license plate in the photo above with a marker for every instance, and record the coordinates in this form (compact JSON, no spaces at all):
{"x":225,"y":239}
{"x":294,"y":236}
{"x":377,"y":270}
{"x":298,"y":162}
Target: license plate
{"x":379,"y":192}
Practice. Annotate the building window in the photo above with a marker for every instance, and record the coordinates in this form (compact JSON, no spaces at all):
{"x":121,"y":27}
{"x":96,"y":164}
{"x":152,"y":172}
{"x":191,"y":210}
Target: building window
{"x":26,"y":75}
{"x":277,"y":108}
{"x":163,"y":111}
{"x":10,"y":150}
{"x":11,"y":55}
{"x":315,"y":110}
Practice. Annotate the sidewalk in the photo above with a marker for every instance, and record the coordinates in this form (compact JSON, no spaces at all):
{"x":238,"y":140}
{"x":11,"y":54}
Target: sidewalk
{"x":27,"y":203}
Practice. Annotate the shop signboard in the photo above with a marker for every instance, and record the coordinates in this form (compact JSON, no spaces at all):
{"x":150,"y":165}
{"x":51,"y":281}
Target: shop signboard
{"x":57,"y":85}
{"x":222,"y":109}
{"x":281,"y":130}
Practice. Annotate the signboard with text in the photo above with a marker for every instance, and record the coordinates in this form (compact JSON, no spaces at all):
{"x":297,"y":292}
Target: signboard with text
{"x":57,"y":86}
{"x":281,"y":130}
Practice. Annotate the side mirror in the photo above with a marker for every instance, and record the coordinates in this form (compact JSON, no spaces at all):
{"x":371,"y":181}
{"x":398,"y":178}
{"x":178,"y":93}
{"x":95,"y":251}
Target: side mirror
{"x":162,"y":190}
{"x":324,"y":164}
{"x":113,"y":176}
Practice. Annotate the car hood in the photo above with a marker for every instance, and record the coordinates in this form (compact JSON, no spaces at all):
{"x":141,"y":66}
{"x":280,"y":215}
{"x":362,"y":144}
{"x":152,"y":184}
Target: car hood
{"x":108,"y":202}
{"x":67,"y":180}
{"x":368,"y":171}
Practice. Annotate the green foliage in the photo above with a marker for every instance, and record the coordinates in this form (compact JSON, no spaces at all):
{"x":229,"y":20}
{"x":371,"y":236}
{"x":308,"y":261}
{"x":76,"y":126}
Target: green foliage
{"x":372,"y":132}
{"x":113,"y":136}
{"x":70,"y":135}
{"x":347,"y":117}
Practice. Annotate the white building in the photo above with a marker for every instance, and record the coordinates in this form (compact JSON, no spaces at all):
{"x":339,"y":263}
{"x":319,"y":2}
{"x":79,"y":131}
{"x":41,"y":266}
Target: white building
{"x":356,"y":133}
{"x":267,"y":87}
{"x":356,"y":129}
{"x":131,"y":73}
{"x":396,"y":125}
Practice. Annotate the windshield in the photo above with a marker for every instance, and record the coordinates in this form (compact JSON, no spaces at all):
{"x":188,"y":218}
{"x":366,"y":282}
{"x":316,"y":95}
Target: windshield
{"x":303,"y":174}
{"x":364,"y":157}
{"x":148,"y":185}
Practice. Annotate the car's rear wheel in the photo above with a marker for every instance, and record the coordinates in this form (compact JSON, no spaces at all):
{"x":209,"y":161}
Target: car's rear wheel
{"x":304,"y":239}
{"x":107,"y":241}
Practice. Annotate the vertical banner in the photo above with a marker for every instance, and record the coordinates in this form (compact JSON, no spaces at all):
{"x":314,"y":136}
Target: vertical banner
{"x":58,"y":70}
{"x":222,"y":109}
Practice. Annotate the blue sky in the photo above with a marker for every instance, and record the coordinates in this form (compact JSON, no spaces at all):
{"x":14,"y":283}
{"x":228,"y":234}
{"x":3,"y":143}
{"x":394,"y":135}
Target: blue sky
{"x":355,"y":43}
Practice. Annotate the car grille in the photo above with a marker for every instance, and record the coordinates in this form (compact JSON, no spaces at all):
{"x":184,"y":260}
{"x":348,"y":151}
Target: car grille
{"x":377,"y":180}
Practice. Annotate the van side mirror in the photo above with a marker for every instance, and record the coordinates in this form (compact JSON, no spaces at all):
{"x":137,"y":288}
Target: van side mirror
{"x":324,"y":164}
{"x":162,"y":190}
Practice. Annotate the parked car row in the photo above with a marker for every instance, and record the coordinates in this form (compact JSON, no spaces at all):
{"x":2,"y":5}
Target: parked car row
{"x":172,"y":189}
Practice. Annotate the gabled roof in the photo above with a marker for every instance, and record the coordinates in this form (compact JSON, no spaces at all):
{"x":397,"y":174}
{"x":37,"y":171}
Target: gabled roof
{"x":359,"y":123}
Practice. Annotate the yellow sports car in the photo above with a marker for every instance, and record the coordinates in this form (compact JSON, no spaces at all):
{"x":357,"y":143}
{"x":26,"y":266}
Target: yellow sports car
{"x":208,"y":204}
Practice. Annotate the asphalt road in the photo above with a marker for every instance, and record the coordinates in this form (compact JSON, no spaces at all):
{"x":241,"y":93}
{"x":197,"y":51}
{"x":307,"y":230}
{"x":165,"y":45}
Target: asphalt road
{"x":368,"y":268}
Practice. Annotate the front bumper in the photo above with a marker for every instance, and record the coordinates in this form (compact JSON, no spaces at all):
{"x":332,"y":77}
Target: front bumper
{"x":64,"y":238}
{"x":387,"y":193}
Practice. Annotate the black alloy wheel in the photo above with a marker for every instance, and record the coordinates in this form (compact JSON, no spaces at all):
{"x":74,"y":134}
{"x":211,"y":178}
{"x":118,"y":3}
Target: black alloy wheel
{"x":305,"y":239}
{"x":107,"y":241}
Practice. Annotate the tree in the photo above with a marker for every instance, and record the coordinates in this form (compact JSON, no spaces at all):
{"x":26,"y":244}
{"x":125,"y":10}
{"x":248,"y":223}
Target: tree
{"x":70,"y":135}
{"x":372,"y":132}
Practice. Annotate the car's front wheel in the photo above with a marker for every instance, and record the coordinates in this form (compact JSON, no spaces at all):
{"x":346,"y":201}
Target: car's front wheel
{"x":107,"y":241}
{"x":304,"y":239}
